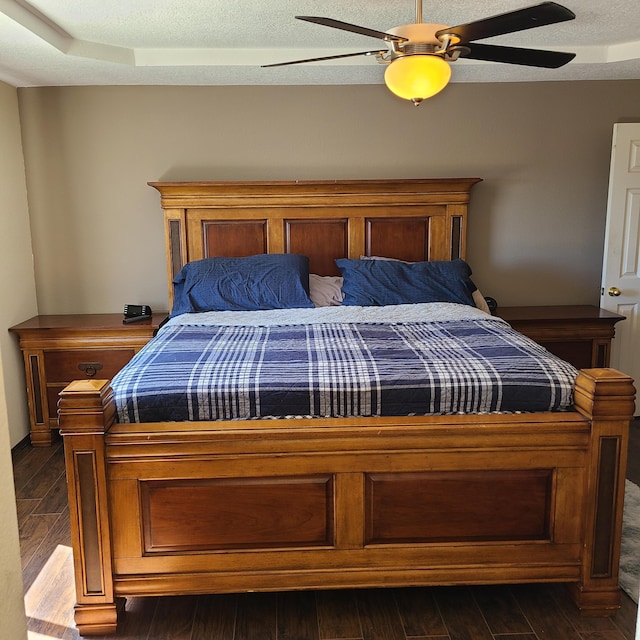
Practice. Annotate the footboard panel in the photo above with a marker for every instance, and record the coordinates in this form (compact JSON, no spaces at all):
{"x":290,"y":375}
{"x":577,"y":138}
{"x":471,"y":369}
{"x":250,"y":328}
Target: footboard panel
{"x":458,"y":506}
{"x":408,"y":504}
{"x":236,"y":513}
{"x":300,"y":511}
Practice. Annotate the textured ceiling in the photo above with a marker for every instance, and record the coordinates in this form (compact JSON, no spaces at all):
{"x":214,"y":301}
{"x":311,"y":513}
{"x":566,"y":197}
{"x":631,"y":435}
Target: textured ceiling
{"x":224,"y":42}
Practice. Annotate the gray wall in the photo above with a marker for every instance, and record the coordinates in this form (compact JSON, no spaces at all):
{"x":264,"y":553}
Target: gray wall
{"x":17,"y":285}
{"x":537,"y":221}
{"x":17,"y":301}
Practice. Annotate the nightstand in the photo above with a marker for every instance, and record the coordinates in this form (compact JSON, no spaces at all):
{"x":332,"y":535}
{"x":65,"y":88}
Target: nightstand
{"x":60,"y":348}
{"x":579,"y":334}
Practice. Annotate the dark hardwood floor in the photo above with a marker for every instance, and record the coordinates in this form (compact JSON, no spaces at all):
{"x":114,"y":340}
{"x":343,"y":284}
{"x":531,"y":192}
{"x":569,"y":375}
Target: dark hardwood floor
{"x":522,"y":612}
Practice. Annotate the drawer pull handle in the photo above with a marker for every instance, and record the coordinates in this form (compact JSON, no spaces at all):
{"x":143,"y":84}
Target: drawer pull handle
{"x":90,"y":368}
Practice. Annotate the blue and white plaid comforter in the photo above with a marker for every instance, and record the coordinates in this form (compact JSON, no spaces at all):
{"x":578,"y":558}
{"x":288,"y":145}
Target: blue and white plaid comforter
{"x":338,"y":367}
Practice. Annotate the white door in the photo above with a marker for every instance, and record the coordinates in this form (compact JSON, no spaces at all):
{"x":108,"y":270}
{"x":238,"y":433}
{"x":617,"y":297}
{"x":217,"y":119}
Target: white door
{"x":621,"y":265}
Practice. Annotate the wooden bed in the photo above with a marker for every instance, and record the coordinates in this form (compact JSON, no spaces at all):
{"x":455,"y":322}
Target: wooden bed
{"x":267,"y":505}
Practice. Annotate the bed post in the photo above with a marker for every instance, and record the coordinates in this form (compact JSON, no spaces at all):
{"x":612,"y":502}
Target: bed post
{"x":607,"y":398}
{"x":86,"y":412}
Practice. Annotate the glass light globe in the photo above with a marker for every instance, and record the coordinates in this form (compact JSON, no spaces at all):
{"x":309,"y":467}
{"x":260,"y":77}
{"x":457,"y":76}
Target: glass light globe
{"x":417,"y":77}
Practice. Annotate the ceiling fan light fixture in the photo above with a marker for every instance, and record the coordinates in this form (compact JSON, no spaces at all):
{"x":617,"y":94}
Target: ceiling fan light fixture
{"x":417,"y":77}
{"x":418,"y":54}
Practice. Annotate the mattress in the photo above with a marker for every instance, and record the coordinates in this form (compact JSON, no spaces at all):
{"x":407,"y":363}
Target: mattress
{"x":418,"y":359}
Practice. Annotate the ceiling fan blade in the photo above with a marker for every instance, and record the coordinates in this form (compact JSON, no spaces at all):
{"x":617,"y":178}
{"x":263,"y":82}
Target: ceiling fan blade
{"x":354,"y":28}
{"x":535,"y":16}
{"x":343,"y":55}
{"x":516,"y":55}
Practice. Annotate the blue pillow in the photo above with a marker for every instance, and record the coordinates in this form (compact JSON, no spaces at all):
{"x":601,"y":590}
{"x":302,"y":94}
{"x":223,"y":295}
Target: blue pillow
{"x":266,"y":281}
{"x":383,"y":282}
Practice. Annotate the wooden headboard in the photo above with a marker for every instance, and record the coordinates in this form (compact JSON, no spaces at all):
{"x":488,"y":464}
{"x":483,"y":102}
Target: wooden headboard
{"x":411,"y":220}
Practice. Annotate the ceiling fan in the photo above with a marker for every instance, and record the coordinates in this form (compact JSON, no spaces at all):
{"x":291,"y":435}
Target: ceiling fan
{"x":418,"y":54}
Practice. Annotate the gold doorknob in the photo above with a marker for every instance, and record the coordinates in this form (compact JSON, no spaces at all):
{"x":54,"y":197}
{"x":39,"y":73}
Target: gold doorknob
{"x":614,"y":292}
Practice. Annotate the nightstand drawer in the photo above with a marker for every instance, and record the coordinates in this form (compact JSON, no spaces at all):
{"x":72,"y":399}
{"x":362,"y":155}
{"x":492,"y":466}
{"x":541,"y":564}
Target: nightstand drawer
{"x":65,"y":366}
{"x":61,"y":367}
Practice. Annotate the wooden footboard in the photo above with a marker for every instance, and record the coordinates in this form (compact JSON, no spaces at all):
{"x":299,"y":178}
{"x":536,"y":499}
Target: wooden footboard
{"x":177,"y":508}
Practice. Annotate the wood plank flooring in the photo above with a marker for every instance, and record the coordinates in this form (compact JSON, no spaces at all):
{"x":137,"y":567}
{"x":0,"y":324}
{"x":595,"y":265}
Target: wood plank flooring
{"x":522,"y":612}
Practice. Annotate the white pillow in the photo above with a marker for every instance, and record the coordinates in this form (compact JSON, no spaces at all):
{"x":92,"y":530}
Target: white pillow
{"x":481,"y":303}
{"x":325,"y":291}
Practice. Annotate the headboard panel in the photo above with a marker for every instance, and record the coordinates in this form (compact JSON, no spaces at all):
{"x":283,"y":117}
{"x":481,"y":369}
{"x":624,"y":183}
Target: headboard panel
{"x":407,"y":219}
{"x":321,"y":239}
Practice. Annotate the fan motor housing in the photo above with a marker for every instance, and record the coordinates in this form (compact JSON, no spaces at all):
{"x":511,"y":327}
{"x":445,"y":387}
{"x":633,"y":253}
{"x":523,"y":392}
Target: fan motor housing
{"x":418,"y":33}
